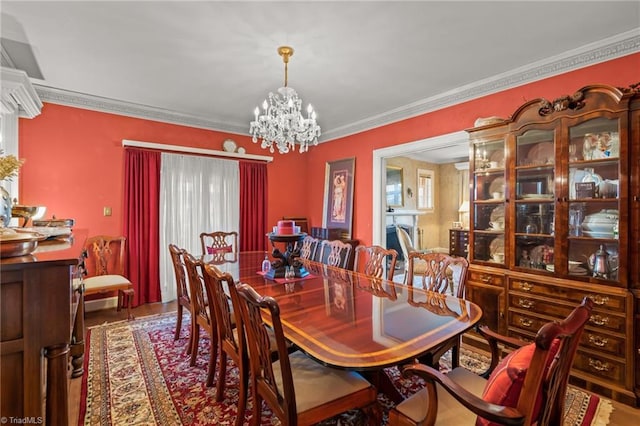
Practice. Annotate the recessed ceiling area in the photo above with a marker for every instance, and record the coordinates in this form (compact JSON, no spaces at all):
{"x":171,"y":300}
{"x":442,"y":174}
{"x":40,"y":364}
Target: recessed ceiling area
{"x":361,"y":64}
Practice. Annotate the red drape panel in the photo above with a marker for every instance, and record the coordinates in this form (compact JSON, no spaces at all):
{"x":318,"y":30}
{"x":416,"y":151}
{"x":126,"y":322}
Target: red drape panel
{"x":141,"y":223}
{"x":253,"y":206}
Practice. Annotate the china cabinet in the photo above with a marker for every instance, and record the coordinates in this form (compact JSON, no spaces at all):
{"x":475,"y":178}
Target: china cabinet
{"x":550,"y":224}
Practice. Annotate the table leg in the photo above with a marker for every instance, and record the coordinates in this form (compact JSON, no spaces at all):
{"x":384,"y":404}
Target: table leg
{"x":384,"y":384}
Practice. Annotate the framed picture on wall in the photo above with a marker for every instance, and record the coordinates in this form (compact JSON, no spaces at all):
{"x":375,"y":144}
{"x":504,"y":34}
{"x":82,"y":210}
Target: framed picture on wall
{"x":338,"y":196}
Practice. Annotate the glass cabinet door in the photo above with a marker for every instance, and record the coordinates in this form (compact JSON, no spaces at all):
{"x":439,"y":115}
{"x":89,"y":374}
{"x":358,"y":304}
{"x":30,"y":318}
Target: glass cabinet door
{"x":594,"y":199}
{"x":489,"y":197}
{"x":534,"y":229}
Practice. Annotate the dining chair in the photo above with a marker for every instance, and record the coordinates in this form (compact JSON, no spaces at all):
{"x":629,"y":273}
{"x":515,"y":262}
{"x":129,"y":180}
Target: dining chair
{"x":404,"y":240}
{"x":336,"y":253}
{"x":526,"y":387}
{"x":182,"y":291}
{"x":105,"y":269}
{"x":440,"y":273}
{"x":374,"y":260}
{"x":298,"y":389}
{"x":308,"y":247}
{"x":203,"y":316}
{"x":231,"y":336}
{"x":219,"y":242}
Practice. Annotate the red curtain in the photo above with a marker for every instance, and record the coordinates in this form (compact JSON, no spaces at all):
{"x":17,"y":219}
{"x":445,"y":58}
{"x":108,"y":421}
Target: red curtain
{"x":253,"y":206}
{"x":141,"y":223}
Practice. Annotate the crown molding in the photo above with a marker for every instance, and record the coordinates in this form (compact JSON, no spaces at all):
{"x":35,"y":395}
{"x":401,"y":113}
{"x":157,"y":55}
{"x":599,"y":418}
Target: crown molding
{"x":129,"y":109}
{"x":604,"y":50}
{"x":18,"y":94}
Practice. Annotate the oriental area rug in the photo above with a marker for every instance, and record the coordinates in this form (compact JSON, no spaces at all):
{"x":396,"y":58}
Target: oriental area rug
{"x":136,"y":373}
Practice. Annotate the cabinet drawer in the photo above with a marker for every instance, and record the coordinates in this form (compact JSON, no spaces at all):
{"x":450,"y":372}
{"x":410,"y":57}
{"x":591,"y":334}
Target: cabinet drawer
{"x":575,"y":295}
{"x":604,"y":368}
{"x":603,"y":342}
{"x":600,"y":319}
{"x":486,"y":278}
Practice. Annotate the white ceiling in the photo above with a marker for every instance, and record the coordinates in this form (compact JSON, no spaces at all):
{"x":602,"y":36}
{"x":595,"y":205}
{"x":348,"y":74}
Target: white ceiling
{"x":361,"y":64}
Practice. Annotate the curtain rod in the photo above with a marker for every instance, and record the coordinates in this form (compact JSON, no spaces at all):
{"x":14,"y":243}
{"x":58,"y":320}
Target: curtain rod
{"x":188,"y":149}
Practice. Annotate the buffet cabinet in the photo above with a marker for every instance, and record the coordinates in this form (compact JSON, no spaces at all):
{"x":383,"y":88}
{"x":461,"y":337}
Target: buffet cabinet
{"x":554,"y":218}
{"x":41,"y":333}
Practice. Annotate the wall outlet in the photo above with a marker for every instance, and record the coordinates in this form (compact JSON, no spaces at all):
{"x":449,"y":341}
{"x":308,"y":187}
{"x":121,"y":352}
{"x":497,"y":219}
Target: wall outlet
{"x":107,"y":211}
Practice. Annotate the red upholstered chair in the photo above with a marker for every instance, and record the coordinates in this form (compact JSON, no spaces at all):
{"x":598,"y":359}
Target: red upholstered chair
{"x":182,"y":290}
{"x":374,"y":260}
{"x":203,"y":314}
{"x":219,"y":242}
{"x":527,"y":387}
{"x":106,"y":270}
{"x":299,"y":390}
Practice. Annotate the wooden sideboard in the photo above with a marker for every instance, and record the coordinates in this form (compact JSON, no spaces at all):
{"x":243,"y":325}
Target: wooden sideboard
{"x":41,"y":326}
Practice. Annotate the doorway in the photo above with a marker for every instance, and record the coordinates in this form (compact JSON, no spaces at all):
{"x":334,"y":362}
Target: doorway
{"x":449,"y":148}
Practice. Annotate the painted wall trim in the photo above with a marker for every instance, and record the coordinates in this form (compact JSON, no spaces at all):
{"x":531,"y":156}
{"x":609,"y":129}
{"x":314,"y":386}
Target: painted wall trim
{"x":192,"y":150}
{"x":607,"y":49}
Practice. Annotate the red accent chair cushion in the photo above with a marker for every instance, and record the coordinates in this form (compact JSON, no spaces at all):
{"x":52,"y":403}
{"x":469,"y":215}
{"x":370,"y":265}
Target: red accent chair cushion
{"x":219,"y":250}
{"x":506,"y":381}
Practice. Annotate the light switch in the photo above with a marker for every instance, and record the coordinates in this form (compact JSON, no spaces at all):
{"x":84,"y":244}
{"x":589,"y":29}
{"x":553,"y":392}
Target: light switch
{"x":107,"y":211}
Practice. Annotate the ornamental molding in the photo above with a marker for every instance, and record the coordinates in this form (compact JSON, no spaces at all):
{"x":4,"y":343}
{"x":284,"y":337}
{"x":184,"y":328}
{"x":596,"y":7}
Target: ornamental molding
{"x":18,"y":95}
{"x":604,"y":50}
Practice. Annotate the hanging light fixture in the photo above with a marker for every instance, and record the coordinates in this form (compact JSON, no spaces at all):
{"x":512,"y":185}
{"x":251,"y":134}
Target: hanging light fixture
{"x":281,"y":123}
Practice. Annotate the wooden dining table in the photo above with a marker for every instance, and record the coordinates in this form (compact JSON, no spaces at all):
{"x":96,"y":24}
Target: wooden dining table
{"x":348,"y":320}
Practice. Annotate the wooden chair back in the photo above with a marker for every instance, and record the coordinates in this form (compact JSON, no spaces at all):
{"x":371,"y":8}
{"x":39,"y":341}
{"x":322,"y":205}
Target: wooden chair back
{"x":373,"y":261}
{"x":440,"y":273}
{"x":231,"y":335}
{"x":219,"y":242}
{"x":182,"y":287}
{"x":336,"y":253}
{"x":309,"y":248}
{"x":105,"y":255}
{"x":281,"y":399}
{"x":203,"y":315}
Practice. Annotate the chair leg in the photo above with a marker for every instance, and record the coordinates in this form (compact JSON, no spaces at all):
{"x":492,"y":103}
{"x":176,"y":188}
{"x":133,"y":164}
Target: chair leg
{"x":129,"y":293}
{"x":222,"y":376}
{"x":194,"y":344}
{"x":243,"y":391}
{"x":192,"y":327}
{"x":213,"y":351}
{"x":178,"y":323}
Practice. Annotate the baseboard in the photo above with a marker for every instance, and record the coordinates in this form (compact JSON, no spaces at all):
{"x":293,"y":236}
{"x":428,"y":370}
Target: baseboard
{"x":100,"y":304}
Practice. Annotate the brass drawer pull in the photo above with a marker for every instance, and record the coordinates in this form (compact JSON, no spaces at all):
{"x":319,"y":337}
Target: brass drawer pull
{"x":525,"y":286}
{"x":526,"y":322}
{"x":598,"y":341}
{"x":598,"y":320}
{"x":525,"y":303}
{"x":598,"y":365}
{"x":598,"y":299}
{"x":486,"y":279}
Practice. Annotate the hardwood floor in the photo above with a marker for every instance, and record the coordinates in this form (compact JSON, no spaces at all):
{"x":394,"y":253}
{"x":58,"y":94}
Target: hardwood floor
{"x":622,"y":415}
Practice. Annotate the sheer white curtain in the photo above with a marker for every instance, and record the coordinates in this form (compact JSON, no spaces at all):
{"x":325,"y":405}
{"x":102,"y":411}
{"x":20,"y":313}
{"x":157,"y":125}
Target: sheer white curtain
{"x":197,"y":194}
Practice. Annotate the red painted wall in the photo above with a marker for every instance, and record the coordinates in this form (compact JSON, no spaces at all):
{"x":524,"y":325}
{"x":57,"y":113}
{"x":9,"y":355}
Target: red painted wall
{"x":74,"y":157}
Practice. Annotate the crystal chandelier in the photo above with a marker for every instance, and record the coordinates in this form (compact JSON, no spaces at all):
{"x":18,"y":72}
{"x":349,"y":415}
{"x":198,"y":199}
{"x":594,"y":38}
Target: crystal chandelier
{"x":281,"y":122}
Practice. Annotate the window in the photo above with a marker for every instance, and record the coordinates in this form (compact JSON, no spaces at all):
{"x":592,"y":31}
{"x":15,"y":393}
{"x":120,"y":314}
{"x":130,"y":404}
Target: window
{"x":425,"y":189}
